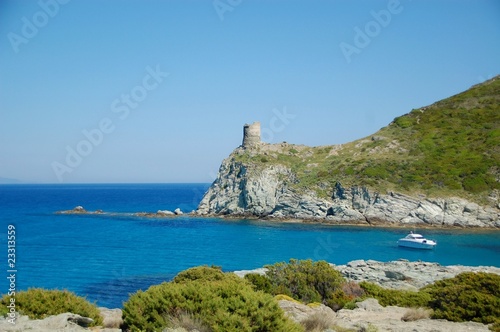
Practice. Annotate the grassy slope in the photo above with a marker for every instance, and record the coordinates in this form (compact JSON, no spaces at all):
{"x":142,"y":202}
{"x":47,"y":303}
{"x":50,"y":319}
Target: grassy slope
{"x":450,"y":148}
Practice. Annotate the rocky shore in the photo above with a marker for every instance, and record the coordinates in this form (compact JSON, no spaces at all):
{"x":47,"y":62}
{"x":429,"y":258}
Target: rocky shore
{"x":400,"y":274}
{"x":371,"y":316}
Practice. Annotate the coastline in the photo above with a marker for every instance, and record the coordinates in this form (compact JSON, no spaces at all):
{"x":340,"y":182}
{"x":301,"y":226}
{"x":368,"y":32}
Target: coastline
{"x":361,"y":224}
{"x":165,"y":214}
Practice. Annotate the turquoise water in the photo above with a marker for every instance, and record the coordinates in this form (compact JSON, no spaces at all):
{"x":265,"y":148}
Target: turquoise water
{"x":106,"y":258}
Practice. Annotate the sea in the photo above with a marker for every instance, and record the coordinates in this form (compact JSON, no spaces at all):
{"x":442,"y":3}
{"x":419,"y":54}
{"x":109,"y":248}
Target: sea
{"x":107,"y":257}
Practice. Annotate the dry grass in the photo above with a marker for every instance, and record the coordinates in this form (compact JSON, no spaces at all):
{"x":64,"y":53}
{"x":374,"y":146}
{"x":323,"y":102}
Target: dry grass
{"x":112,"y":322}
{"x":318,"y":322}
{"x":414,"y":314}
{"x":188,"y":322}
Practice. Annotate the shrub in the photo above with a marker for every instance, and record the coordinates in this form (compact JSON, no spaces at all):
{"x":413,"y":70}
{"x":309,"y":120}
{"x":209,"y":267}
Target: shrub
{"x":283,"y":297}
{"x":308,"y":281}
{"x":403,"y":121}
{"x":260,"y":282}
{"x":467,"y":297}
{"x":394,"y":297}
{"x":203,"y":273}
{"x":38,"y":303}
{"x":218,"y":301}
{"x":353,"y":290}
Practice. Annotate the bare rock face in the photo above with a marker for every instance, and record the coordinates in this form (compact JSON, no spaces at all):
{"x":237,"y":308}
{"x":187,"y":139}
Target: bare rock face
{"x":397,"y":208}
{"x":240,"y":190}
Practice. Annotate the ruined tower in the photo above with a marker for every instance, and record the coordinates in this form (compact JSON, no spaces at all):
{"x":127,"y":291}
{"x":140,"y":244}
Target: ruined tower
{"x":251,"y":134}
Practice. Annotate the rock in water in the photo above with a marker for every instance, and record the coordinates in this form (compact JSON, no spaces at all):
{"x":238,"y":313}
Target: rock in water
{"x":165,"y":213}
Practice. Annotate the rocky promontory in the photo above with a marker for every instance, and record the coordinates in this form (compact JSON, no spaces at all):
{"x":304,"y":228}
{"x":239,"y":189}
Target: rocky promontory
{"x":249,"y":189}
{"x":435,"y":166}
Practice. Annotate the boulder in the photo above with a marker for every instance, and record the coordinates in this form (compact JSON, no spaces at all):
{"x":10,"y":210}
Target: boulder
{"x":165,"y":213}
{"x":112,"y":318}
{"x":395,"y":275}
{"x":299,"y":312}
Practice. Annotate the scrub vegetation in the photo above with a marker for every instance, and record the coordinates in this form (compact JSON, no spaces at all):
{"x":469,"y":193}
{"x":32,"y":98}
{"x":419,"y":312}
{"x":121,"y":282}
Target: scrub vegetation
{"x":37,"y":303}
{"x":207,"y":299}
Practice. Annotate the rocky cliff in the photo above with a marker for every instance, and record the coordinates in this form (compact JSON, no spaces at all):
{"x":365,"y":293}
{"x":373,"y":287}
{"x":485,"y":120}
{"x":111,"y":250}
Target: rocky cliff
{"x":247,"y":189}
{"x":437,"y":165}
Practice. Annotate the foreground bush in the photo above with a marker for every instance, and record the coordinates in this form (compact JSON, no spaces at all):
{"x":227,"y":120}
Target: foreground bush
{"x":215,"y":300}
{"x":37,"y":303}
{"x":401,"y":298}
{"x":467,"y":297}
{"x":306,"y":281}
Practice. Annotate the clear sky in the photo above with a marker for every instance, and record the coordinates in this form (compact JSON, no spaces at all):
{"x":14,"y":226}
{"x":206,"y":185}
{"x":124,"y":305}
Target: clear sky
{"x":158,"y":91}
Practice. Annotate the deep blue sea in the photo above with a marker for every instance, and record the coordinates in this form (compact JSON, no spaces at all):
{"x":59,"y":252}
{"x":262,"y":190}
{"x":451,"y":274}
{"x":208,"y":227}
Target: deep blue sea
{"x":105,"y":258}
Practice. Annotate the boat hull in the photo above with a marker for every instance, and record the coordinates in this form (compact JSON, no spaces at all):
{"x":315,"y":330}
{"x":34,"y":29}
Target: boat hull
{"x":416,"y":245}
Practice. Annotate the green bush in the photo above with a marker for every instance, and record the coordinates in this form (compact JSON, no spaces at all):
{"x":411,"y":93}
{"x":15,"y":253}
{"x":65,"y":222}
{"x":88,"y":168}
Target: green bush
{"x":222,"y":302}
{"x":260,"y":282}
{"x":403,"y":121}
{"x":467,"y":297}
{"x":394,"y":297}
{"x":308,"y":281}
{"x":39,"y":303}
{"x":203,"y":273}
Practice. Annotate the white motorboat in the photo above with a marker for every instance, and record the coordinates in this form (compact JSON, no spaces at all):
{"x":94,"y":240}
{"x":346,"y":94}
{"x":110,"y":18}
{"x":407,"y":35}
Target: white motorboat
{"x":416,"y":241}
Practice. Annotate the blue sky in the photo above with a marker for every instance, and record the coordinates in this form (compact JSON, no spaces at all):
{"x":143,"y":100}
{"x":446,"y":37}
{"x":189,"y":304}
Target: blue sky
{"x":158,"y":91}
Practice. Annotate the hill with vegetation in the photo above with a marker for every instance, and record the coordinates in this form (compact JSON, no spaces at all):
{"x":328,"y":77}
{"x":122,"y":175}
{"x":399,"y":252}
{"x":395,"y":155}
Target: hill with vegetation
{"x":448,"y":149}
{"x":451,"y":147}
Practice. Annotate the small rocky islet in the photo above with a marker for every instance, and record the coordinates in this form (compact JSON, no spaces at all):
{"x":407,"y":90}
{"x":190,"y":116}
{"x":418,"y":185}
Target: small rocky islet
{"x":159,"y":214}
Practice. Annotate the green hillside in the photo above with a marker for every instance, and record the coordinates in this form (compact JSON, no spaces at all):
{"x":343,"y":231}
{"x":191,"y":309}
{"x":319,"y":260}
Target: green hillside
{"x":450,"y":148}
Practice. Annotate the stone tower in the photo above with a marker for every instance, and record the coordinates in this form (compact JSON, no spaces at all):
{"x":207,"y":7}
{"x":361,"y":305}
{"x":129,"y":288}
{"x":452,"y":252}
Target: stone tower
{"x":251,"y":134}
